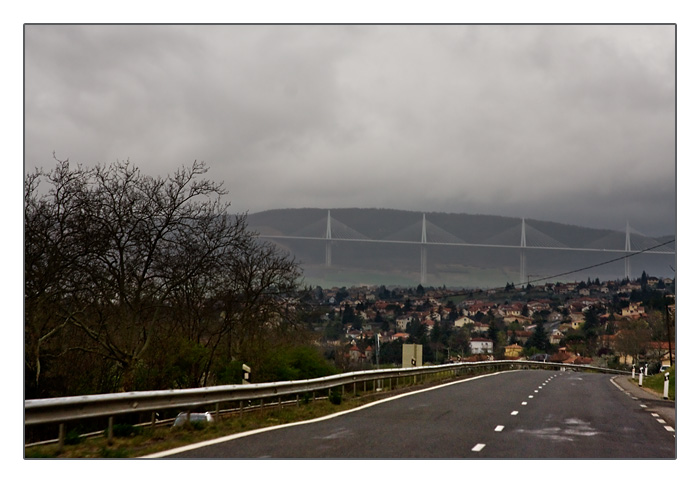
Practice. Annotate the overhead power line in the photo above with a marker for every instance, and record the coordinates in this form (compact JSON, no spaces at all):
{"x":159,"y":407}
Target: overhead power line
{"x":604,"y":263}
{"x":467,"y":292}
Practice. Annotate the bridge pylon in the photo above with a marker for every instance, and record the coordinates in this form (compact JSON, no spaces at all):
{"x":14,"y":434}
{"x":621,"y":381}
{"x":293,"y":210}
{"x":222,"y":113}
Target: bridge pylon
{"x":628,"y":250}
{"x":523,"y":256}
{"x":329,"y":236}
{"x":424,"y":254}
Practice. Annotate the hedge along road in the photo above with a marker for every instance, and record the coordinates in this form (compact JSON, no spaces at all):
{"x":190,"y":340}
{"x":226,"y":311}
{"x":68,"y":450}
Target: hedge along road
{"x":514,"y":414}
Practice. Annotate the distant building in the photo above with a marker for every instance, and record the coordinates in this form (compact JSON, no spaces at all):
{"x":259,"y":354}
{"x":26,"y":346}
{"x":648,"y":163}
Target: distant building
{"x":464,"y":320}
{"x":634,"y":310}
{"x":513,"y":351}
{"x":479,"y":345}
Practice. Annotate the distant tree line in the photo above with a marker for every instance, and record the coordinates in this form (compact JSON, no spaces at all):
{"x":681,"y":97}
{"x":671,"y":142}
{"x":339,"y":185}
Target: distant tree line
{"x":135,"y":282}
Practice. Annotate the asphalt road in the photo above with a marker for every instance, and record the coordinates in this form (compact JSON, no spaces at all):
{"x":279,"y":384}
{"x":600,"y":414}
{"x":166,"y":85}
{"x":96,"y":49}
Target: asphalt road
{"x":517,"y":414}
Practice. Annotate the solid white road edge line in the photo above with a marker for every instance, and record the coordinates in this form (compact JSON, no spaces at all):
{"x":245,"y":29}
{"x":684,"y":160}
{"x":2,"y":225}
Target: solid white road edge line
{"x":231,"y":437}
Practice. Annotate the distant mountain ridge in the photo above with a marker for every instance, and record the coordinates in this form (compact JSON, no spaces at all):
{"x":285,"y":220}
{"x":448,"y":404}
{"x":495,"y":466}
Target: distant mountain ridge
{"x":450,"y":263}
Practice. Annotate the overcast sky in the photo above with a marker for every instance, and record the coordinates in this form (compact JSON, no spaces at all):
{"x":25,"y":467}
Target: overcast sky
{"x":567,"y":123}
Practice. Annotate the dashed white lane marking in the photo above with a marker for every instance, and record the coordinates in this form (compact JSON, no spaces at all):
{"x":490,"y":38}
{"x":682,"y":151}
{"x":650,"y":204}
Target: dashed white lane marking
{"x":478,"y":447}
{"x":499,"y":428}
{"x":524,"y":403}
{"x":514,"y":413}
{"x":530,"y":396}
{"x":670,"y":429}
{"x":642,"y":405}
{"x":654,"y":415}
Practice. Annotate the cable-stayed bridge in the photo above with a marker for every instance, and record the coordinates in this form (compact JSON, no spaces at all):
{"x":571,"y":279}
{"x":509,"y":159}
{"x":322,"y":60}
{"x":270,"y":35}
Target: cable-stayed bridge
{"x":522,"y":236}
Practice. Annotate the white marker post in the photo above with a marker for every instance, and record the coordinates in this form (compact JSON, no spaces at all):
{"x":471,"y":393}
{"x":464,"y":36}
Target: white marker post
{"x":666,"y":385}
{"x":646,"y":370}
{"x":632,"y":372}
{"x":641,"y":375}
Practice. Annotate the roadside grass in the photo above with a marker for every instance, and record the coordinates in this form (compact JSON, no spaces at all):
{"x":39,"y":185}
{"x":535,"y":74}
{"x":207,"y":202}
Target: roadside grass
{"x":153,"y":440}
{"x":132,"y":442}
{"x":146,"y":440}
{"x":656,"y":383}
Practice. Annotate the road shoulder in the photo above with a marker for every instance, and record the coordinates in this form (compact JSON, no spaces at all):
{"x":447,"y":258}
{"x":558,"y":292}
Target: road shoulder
{"x":653,"y":401}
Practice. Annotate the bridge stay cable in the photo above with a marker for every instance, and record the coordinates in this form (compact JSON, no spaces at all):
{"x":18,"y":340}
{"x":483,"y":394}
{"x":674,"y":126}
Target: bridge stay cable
{"x":522,"y":236}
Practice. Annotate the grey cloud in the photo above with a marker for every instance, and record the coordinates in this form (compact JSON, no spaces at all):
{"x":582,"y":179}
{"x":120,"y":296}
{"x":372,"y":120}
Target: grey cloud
{"x":565,"y":123}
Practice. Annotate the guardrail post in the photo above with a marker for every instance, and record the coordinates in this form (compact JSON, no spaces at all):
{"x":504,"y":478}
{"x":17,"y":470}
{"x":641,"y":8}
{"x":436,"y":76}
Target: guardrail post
{"x":110,"y":430}
{"x":153,"y":420}
{"x":61,"y":436}
{"x":216,"y":413}
{"x":666,"y":382}
{"x":240,"y":408}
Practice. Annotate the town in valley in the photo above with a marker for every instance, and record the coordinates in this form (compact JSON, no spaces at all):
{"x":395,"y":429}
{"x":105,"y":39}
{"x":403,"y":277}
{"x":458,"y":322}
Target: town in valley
{"x":616,"y":324}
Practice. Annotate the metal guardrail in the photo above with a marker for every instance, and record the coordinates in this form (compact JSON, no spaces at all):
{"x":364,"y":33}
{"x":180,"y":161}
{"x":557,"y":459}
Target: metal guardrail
{"x":63,"y":409}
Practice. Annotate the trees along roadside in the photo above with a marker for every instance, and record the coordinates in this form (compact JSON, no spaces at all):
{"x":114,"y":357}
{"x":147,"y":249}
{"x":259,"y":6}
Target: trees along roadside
{"x":136,"y":282}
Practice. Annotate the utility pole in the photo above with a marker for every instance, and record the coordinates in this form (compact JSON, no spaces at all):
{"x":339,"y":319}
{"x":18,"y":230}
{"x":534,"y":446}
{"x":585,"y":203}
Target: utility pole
{"x":668,"y":325}
{"x":668,"y":331}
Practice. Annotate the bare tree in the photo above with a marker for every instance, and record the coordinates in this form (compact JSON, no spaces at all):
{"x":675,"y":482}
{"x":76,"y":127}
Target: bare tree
{"x":52,"y":255}
{"x":633,"y":338}
{"x":127,"y":258}
{"x":259,"y":298}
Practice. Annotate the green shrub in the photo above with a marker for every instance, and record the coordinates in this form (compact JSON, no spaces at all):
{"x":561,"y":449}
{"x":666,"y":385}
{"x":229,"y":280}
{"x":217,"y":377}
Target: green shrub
{"x":335,"y":397}
{"x":293,"y":363}
{"x":198,"y":425}
{"x":73,"y":437}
